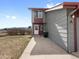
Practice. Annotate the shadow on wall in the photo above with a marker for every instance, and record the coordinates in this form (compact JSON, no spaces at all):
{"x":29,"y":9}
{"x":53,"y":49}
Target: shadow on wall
{"x":45,"y":46}
{"x":63,"y":34}
{"x":58,"y":35}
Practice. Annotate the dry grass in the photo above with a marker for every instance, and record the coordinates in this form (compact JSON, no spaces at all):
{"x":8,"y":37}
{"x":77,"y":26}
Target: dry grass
{"x":11,"y":47}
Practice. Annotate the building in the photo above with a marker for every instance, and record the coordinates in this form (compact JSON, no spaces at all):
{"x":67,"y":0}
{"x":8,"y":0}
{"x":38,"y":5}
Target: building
{"x":61,"y":22}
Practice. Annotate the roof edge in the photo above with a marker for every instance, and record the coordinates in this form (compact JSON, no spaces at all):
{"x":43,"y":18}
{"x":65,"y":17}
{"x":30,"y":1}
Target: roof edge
{"x":59,"y":6}
{"x":38,"y":8}
{"x":64,"y":5}
{"x":71,"y":5}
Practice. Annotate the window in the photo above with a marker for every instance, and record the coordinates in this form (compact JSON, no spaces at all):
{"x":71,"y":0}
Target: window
{"x":39,"y":14}
{"x":36,"y":14}
{"x":36,"y":27}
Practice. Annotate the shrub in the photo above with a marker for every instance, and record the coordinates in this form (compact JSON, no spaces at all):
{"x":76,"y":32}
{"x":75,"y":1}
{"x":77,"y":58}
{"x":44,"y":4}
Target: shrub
{"x":22,"y":32}
{"x":29,"y":31}
{"x":12,"y":32}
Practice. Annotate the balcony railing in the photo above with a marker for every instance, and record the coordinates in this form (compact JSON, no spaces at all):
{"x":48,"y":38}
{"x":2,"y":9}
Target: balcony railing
{"x":38,"y":20}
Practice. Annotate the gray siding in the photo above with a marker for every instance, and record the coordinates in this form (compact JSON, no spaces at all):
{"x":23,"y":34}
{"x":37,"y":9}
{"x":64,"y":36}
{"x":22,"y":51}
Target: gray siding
{"x":56,"y":22}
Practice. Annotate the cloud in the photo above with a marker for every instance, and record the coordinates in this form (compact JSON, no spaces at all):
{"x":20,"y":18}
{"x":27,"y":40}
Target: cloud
{"x":10,"y":17}
{"x":13,"y":17}
{"x":49,"y":5}
{"x":7,"y":16}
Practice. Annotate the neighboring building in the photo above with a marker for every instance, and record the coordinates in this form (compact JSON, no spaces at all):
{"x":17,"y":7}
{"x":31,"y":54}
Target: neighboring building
{"x":61,"y":22}
{"x":38,"y":20}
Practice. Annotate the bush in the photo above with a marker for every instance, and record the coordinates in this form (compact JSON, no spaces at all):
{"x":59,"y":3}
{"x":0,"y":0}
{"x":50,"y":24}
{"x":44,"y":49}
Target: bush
{"x":12,"y":32}
{"x":16,"y":31}
{"x":22,"y":32}
{"x":29,"y":32}
{"x":19,"y":31}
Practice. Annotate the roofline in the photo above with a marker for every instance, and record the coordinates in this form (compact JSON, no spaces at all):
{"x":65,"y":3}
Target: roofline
{"x":65,"y":5}
{"x":71,"y":5}
{"x":38,"y":8}
{"x":55,"y":7}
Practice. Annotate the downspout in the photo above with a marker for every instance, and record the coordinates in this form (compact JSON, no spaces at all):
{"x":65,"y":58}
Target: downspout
{"x":75,"y":34}
{"x":69,"y":39}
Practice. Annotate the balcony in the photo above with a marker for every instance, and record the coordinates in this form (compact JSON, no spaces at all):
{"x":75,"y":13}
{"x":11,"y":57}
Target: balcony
{"x":38,"y":21}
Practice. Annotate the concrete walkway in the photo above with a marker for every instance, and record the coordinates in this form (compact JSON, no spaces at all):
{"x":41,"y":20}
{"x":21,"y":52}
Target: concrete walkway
{"x":43,"y":48}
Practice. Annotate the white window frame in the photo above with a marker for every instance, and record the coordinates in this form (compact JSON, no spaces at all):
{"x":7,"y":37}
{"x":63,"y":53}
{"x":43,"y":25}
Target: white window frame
{"x":40,"y":14}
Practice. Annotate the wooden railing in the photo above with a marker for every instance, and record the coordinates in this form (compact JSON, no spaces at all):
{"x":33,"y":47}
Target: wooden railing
{"x":38,"y":20}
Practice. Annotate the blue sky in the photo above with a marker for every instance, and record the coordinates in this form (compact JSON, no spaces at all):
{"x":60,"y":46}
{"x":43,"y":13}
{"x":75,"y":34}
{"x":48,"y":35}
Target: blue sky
{"x":15,"y":13}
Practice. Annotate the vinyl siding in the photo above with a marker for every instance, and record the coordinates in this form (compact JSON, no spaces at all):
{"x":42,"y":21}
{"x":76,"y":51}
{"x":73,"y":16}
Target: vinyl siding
{"x":56,"y":24}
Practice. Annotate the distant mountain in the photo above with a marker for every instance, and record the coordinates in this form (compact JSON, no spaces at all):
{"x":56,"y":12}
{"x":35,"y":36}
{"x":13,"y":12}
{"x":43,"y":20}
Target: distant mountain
{"x":5,"y":29}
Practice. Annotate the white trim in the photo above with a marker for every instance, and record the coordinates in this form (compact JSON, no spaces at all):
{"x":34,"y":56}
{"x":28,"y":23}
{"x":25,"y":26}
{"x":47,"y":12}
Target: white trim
{"x":55,"y":8}
{"x":36,"y":31}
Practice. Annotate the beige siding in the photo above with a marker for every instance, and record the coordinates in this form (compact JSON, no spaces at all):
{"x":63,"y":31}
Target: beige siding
{"x":57,"y":26}
{"x":33,"y":14}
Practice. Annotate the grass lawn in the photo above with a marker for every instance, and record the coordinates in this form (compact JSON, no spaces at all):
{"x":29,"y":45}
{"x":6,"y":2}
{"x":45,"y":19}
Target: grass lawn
{"x":11,"y":47}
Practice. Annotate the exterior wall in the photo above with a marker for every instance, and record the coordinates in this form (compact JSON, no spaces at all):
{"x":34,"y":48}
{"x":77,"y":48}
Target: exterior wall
{"x":78,"y":33}
{"x":38,"y":21}
{"x":33,"y":13}
{"x":32,"y":22}
{"x":56,"y":24}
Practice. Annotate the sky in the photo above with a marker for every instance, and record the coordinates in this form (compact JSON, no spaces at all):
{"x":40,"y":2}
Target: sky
{"x":15,"y":13}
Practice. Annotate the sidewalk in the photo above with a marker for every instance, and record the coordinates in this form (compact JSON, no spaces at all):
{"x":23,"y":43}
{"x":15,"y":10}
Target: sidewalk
{"x":43,"y":48}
